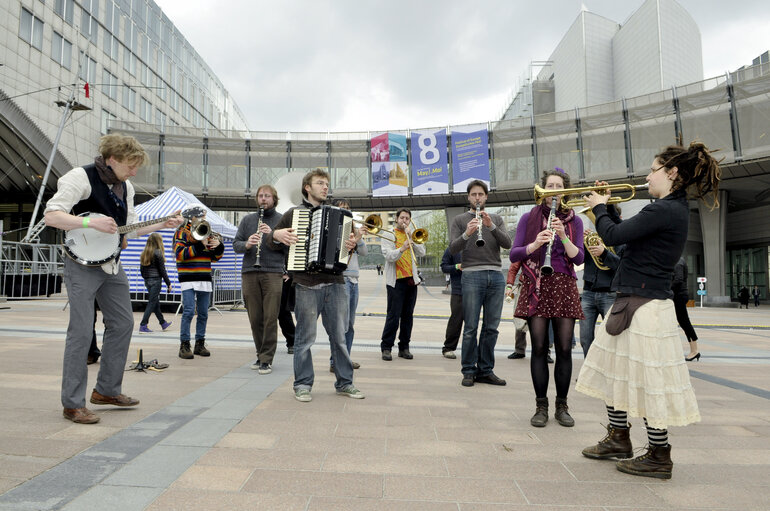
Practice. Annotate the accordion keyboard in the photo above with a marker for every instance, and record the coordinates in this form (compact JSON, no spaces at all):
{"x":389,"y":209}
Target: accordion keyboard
{"x":300,"y":222}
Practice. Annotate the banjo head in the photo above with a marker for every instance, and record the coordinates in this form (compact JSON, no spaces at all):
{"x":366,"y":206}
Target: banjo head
{"x":89,"y":246}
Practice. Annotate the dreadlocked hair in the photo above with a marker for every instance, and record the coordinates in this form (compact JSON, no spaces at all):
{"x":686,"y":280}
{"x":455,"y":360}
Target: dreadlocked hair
{"x":698,"y":173}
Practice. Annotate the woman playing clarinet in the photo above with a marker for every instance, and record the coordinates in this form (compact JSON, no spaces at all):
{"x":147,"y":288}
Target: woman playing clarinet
{"x":550,"y":298}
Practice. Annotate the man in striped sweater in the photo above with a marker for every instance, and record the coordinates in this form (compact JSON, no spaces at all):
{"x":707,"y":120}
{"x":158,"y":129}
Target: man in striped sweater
{"x":193,"y":265}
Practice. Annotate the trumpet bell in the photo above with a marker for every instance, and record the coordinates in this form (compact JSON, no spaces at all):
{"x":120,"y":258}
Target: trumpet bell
{"x":200,"y":230}
{"x":373,"y":224}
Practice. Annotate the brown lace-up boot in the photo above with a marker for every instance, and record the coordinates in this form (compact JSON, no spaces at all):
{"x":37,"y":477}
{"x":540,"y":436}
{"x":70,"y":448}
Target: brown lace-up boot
{"x":541,"y":413}
{"x":562,"y":415}
{"x":656,"y":462}
{"x":617,"y":444}
{"x":200,"y":348}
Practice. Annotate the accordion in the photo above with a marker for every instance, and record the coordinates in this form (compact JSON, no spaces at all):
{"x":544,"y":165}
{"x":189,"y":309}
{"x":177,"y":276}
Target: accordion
{"x":322,"y":233}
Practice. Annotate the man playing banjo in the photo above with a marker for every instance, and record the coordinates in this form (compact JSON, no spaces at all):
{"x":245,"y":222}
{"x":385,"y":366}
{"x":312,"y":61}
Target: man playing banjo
{"x":101,"y":187}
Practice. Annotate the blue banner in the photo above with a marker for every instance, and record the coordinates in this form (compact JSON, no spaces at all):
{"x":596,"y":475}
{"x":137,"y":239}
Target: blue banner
{"x":430,"y":174}
{"x":470,"y":158}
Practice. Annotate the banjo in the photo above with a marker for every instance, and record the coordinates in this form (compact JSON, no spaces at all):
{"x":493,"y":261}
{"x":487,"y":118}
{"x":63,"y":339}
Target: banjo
{"x":90,"y":247}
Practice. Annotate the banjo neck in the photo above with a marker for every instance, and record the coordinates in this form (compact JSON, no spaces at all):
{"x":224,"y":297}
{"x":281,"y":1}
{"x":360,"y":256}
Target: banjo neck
{"x":123,"y":229}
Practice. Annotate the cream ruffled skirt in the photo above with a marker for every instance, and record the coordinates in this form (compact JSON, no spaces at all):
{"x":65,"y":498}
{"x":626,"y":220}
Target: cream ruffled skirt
{"x":642,"y":371}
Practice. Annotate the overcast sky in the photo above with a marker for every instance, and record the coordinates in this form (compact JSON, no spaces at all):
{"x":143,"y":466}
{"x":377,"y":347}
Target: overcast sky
{"x":364,"y":65}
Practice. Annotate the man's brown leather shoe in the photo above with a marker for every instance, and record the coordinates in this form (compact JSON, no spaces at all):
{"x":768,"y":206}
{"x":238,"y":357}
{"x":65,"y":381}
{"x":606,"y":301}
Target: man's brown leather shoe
{"x":119,"y":400}
{"x":80,"y":415}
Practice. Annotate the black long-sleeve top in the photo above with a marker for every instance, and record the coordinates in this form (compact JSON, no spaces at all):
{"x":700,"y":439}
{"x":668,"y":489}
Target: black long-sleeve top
{"x":654,"y":239}
{"x":156,"y":269}
{"x":449,"y":264}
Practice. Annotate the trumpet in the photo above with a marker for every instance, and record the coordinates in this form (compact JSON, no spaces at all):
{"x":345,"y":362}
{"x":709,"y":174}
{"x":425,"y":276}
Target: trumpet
{"x":480,"y":238}
{"x":542,"y":194}
{"x":201,"y":230}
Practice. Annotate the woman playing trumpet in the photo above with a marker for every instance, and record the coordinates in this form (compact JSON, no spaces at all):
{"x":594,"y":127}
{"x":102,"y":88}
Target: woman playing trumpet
{"x":550,"y":298}
{"x":635,"y":365}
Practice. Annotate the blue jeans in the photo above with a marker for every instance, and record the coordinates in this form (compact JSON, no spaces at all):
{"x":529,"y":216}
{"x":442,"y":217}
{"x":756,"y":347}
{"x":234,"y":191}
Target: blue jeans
{"x":153,"y":301}
{"x":593,"y":303}
{"x":189,"y":299}
{"x":331,"y":302}
{"x":352,"y":290}
{"x":481,"y":289}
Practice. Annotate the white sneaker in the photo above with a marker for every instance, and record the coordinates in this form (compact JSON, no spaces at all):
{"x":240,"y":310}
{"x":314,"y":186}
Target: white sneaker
{"x":265,"y":368}
{"x":303,"y":395}
{"x":450,"y":354}
{"x":255,"y":365}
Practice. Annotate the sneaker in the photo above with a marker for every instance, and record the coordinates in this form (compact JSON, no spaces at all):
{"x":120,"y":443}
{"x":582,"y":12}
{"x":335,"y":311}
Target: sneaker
{"x":449,"y":354}
{"x":144,"y":330}
{"x":386,"y":355}
{"x":265,"y":368}
{"x":165,"y":325}
{"x":350,"y":391}
{"x":515,"y":355}
{"x":303,"y":395}
{"x":467,"y":380}
{"x":255,"y":365}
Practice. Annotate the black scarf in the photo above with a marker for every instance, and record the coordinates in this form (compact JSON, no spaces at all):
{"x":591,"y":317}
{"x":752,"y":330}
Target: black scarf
{"x":108,"y":177}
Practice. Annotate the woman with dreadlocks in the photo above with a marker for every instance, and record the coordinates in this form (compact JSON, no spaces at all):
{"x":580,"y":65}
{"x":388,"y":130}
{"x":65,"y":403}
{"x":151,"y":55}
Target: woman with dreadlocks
{"x":635,"y":365}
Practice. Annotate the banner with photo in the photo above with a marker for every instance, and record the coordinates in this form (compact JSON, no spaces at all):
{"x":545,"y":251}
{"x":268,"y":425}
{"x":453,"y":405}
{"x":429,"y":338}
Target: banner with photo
{"x":430,"y":174}
{"x":389,"y":169}
{"x":470,"y":156}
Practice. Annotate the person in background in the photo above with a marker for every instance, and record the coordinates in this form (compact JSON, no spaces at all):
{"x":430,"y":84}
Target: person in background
{"x":153,"y":261}
{"x":755,"y":293}
{"x":452,"y":267}
{"x":285,"y":321}
{"x":681,"y":297}
{"x":635,"y":365}
{"x":193,"y":266}
{"x":743,"y":297}
{"x":351,"y":274}
{"x":597,"y":296}
{"x":550,"y":299}
{"x":512,"y":293}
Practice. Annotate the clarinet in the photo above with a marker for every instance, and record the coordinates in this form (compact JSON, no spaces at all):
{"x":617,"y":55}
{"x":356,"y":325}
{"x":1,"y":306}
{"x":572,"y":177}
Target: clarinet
{"x":547,"y":269}
{"x":479,"y":238}
{"x":259,"y":245}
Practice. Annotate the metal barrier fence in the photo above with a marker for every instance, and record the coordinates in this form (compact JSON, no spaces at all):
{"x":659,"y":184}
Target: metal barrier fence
{"x":226,"y":283}
{"x":30,"y":270}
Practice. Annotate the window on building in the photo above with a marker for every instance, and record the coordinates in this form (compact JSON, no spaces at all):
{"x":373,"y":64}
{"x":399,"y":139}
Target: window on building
{"x":107,"y":119}
{"x":61,"y":50}
{"x":87,"y":70}
{"x":112,"y":29}
{"x":129,"y":98}
{"x":88,"y":20}
{"x":145,"y":112}
{"x":110,"y":85}
{"x":31,"y":29}
{"x":160,"y":119}
{"x":65,"y":9}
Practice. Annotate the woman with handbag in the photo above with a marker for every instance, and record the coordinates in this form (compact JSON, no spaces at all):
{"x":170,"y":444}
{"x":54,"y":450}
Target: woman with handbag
{"x":635,"y":365}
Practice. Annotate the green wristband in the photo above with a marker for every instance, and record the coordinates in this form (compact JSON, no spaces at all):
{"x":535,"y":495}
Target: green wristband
{"x":85,"y":221}
{"x":564,"y":240}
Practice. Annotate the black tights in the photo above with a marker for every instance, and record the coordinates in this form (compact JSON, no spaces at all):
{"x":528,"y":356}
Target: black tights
{"x":563,"y":332}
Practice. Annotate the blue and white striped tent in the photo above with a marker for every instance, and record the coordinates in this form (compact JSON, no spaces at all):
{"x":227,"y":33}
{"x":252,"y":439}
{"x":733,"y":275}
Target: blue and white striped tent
{"x":173,"y":199}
